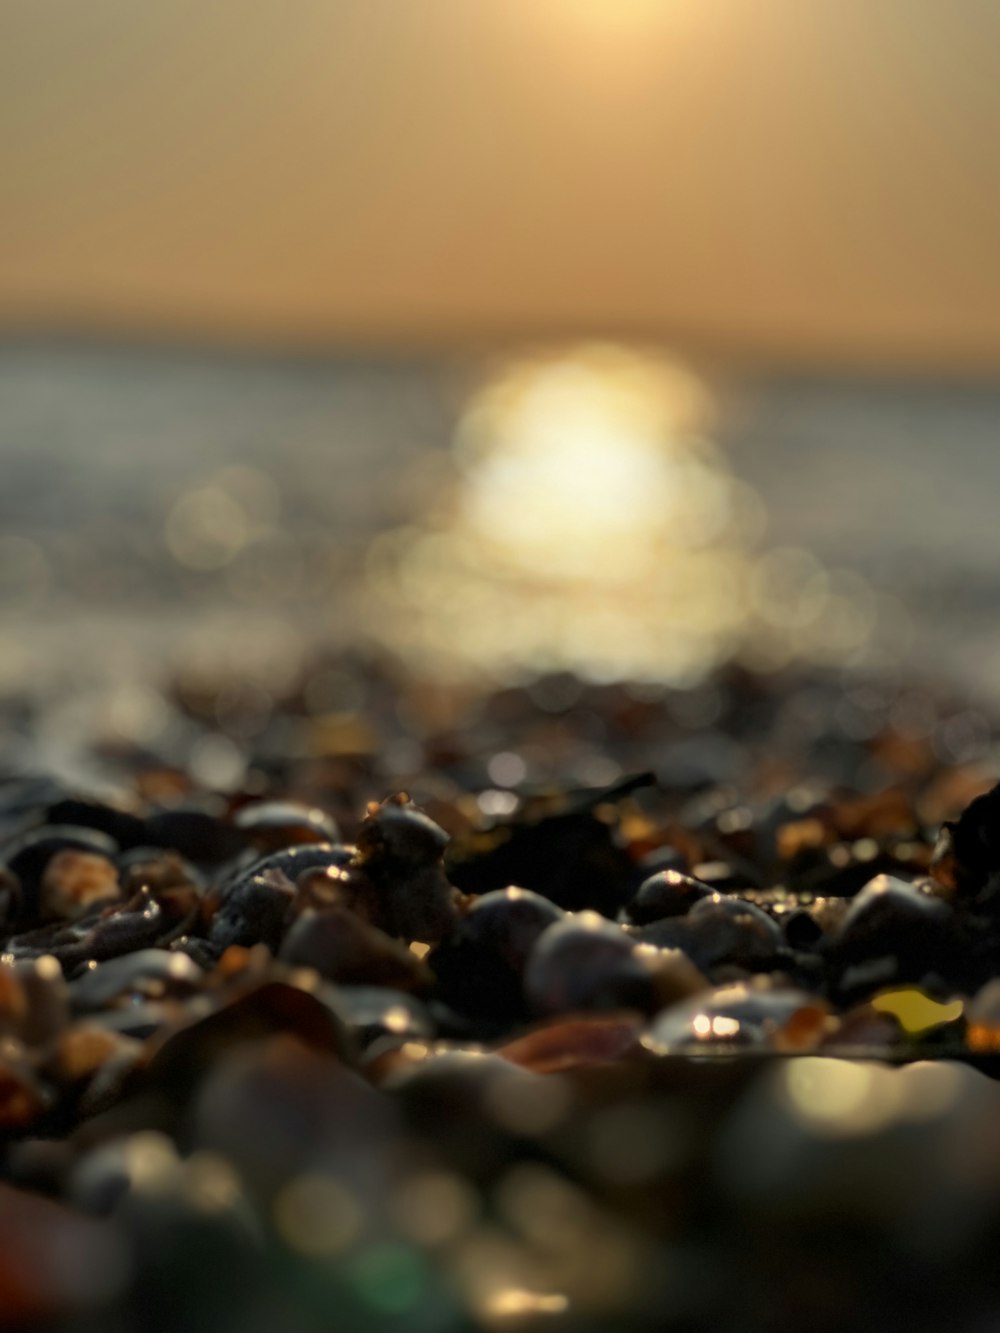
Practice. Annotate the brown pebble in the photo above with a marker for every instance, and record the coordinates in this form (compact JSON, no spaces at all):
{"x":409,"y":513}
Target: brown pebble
{"x":82,"y":1050}
{"x":47,"y":999}
{"x":74,"y":882}
{"x":21,"y":1098}
{"x":572,"y":1043}
{"x":13,"y":1000}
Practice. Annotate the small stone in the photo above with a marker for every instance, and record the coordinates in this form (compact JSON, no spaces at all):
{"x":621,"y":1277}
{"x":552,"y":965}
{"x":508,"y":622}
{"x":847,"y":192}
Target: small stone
{"x":74,"y":882}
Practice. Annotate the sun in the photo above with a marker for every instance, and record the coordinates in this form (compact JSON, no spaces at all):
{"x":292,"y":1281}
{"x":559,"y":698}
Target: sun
{"x":613,"y":27}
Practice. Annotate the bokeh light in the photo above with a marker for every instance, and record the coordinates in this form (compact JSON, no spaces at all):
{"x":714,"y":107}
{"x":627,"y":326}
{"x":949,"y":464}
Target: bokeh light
{"x":318,"y":1215}
{"x":844,"y":1098}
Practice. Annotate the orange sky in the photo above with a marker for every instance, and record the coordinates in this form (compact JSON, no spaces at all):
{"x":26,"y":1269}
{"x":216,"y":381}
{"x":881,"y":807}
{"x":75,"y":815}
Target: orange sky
{"x":787,"y":178}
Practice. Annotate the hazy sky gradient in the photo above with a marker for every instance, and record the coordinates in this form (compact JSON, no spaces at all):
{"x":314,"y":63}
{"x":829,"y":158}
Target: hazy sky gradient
{"x":796,"y":178}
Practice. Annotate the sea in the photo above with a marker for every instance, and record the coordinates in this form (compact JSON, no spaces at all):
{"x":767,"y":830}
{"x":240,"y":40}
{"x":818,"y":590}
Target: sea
{"x":167,"y":503}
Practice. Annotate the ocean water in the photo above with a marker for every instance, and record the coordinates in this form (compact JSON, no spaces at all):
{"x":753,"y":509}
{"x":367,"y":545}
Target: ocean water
{"x":109,"y":566}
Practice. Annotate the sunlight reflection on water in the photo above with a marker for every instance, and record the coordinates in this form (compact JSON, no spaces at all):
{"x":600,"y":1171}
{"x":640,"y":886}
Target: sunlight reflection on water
{"x":592,"y":525}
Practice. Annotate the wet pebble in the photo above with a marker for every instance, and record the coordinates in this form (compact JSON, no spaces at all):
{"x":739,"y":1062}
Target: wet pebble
{"x":274,"y":826}
{"x":28,"y":857}
{"x":586,"y":962}
{"x":479,"y":966}
{"x":342,"y":947}
{"x":144,"y":974}
{"x":900,"y":925}
{"x":254,"y":911}
{"x":719,"y":930}
{"x":739,"y":1016}
{"x":667,"y":893}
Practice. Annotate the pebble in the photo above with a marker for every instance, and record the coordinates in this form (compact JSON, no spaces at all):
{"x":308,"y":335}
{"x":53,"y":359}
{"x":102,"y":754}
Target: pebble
{"x":241,"y":1032}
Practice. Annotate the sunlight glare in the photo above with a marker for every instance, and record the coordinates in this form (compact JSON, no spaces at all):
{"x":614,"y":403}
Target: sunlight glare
{"x":592,"y":526}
